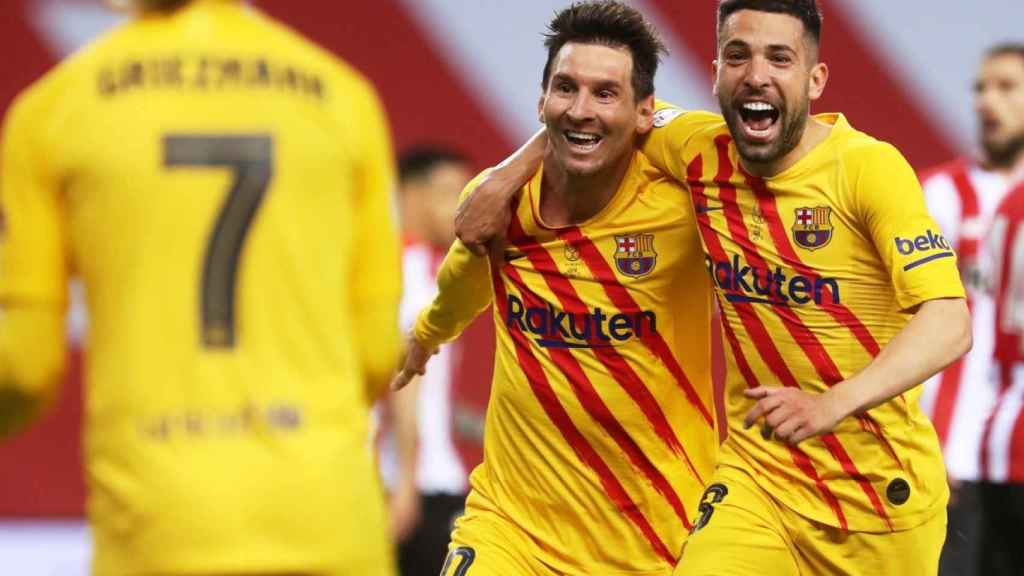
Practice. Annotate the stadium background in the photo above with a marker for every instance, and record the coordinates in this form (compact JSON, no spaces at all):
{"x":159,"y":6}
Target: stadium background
{"x":466,"y":73}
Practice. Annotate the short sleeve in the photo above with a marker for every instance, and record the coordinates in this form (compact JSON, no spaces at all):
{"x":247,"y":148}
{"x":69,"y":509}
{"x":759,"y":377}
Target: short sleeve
{"x":890,"y":203}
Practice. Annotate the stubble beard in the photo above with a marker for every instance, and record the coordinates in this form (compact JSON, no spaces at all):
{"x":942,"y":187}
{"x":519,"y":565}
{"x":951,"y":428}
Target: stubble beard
{"x":1004,"y":154}
{"x":793,"y":126}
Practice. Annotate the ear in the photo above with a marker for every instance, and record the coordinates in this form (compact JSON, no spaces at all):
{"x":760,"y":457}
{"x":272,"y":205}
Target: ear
{"x":817,"y":80}
{"x":714,"y":77}
{"x":540,"y":107}
{"x":645,"y":115}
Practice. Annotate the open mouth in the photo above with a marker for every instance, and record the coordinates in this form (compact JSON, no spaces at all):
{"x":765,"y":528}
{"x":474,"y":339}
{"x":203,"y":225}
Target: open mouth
{"x":582,"y":141}
{"x":759,"y":119}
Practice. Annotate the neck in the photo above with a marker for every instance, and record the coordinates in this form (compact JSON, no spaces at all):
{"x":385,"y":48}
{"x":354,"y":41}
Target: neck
{"x":815,"y":133}
{"x":567,"y":199}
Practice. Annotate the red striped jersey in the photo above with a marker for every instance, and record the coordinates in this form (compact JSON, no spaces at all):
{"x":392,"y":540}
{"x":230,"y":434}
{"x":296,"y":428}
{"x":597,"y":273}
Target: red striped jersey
{"x":600,"y":431}
{"x":1002,"y":455}
{"x":962,"y":197}
{"x":815,"y":270}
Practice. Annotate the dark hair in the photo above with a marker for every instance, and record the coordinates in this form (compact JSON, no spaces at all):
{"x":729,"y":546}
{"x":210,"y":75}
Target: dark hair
{"x":610,"y":23}
{"x":159,"y":5}
{"x":418,"y":161}
{"x":1005,"y":49}
{"x":805,"y":11}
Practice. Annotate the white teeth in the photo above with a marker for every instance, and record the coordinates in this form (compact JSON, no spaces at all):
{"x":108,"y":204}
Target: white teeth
{"x":758,"y":107}
{"x":583,"y":136}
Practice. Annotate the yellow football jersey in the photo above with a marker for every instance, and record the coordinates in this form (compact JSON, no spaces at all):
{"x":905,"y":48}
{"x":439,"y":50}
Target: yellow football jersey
{"x":223,"y":188}
{"x":600,"y":430}
{"x":815,"y":270}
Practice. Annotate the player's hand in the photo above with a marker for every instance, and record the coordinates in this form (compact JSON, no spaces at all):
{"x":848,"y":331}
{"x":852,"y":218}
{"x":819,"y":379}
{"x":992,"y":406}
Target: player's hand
{"x":791,"y":414}
{"x":483,"y":217}
{"x":415,"y":363}
{"x":403,"y":511}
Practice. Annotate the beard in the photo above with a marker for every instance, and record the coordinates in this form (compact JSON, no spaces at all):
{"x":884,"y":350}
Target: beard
{"x":792,"y":131}
{"x":1003,"y":154}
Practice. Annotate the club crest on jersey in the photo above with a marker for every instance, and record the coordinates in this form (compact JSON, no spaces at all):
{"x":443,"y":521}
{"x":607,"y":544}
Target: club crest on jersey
{"x":634,"y":254}
{"x":812,"y":228}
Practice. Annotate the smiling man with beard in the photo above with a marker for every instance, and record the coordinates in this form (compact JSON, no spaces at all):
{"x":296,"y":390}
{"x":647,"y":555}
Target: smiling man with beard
{"x":839,"y":296}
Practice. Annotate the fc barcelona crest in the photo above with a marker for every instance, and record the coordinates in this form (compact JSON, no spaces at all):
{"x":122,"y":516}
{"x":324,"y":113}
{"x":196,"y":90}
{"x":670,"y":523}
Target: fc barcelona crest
{"x":813,"y":227}
{"x":635,"y":255}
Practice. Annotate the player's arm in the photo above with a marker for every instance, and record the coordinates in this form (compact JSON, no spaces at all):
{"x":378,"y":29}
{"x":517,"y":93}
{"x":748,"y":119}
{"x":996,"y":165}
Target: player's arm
{"x":376,"y":269}
{"x":464,"y":291}
{"x":404,"y":505}
{"x":888,"y":200}
{"x":483,"y":215}
{"x":665,"y":144}
{"x":33,"y":272}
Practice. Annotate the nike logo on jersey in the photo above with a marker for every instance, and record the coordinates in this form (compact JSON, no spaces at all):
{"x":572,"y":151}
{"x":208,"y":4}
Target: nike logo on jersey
{"x":706,"y":209}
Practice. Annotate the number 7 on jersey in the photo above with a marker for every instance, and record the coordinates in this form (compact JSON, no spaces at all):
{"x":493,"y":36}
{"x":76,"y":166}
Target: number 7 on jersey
{"x":251,"y":160}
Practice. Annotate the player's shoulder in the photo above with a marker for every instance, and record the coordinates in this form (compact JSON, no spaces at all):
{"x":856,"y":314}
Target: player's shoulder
{"x":674,"y":119}
{"x":73,"y":76}
{"x":858,"y":150}
{"x":282,"y":38}
{"x":648,"y":176}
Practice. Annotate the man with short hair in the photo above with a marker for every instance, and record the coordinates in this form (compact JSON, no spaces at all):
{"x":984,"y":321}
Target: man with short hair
{"x":223,"y":187}
{"x":600,"y":431}
{"x":963,"y":196}
{"x":828,"y":289}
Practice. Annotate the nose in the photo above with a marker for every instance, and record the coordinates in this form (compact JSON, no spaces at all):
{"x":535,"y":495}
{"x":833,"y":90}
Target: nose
{"x":757,"y":73}
{"x":582,"y":108}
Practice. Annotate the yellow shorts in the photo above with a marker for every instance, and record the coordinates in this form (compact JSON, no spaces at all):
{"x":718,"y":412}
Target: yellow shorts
{"x":483,"y":544}
{"x":745,"y":532}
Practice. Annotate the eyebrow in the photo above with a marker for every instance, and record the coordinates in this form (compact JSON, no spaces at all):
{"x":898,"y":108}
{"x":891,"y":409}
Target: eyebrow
{"x":736,"y":43}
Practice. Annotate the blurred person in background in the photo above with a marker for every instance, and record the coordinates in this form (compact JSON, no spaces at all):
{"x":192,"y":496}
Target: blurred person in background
{"x":428,"y":486}
{"x":963,"y":196}
{"x":223,"y":188}
{"x":1001,"y":491}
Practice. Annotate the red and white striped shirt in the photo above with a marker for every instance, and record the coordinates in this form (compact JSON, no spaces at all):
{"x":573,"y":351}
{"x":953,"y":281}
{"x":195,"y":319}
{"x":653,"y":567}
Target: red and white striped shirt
{"x":962,"y":198}
{"x":1002,"y":454}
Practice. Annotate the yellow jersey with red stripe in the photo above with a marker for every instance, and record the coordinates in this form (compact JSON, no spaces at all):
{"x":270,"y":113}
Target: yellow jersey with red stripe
{"x":224,"y":190}
{"x":600,"y":431}
{"x":815,"y":270}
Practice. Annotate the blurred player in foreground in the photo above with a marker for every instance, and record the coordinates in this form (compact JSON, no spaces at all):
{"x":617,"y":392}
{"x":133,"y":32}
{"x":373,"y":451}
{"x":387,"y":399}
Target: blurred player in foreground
{"x":837,"y":301}
{"x":600,"y":431}
{"x":963,"y":196}
{"x":223,"y":188}
{"x":430,"y":179}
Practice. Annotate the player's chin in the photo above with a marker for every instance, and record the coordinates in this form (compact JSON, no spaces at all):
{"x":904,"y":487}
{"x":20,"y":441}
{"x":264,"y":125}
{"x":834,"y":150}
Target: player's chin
{"x":760,"y":152}
{"x":583,"y":167}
